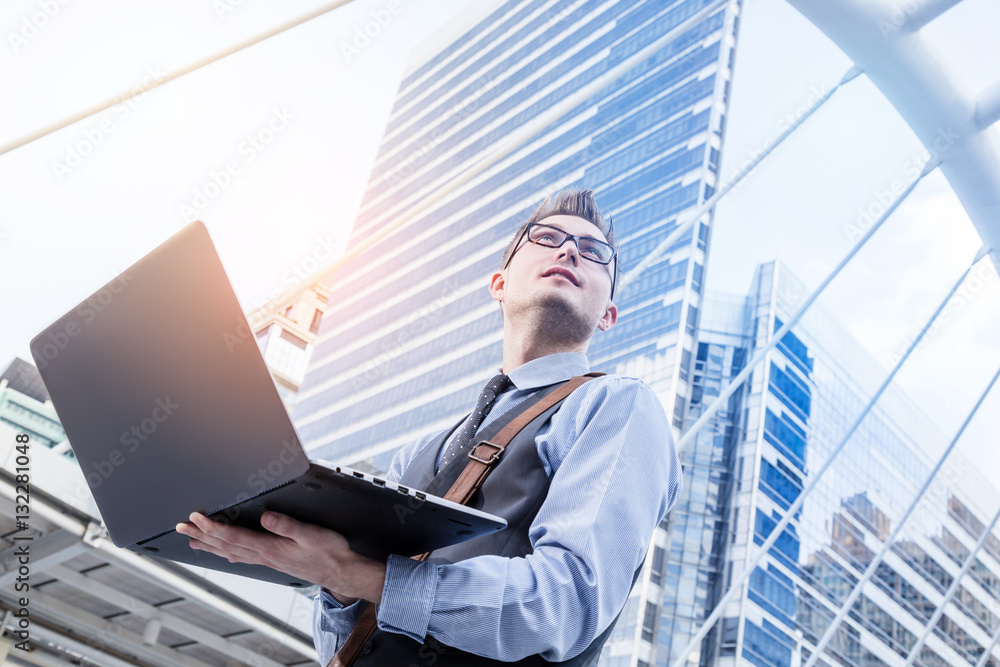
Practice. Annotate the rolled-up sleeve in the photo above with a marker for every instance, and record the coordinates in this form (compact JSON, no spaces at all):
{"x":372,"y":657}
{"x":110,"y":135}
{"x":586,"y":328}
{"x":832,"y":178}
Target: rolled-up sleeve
{"x":332,"y":621}
{"x":614,"y":476}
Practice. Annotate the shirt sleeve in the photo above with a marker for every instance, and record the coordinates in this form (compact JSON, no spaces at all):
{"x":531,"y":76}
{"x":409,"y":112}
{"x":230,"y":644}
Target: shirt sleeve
{"x":332,"y":621}
{"x":616,"y":474}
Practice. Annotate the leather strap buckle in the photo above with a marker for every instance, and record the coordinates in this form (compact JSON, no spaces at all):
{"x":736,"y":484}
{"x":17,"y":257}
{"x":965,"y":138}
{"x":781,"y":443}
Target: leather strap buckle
{"x":494,"y":457}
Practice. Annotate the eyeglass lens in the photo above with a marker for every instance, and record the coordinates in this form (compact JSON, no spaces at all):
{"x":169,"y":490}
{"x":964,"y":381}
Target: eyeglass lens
{"x":553,"y":237}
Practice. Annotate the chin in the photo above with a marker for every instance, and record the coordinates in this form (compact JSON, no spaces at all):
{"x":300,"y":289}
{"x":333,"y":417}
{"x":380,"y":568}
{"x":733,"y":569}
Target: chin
{"x":558,"y":316}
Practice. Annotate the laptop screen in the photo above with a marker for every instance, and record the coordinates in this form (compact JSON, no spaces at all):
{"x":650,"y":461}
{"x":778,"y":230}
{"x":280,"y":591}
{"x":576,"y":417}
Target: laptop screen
{"x":164,"y":395}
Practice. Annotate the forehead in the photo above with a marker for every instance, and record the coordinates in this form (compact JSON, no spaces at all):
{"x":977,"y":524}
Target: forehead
{"x":574,"y":225}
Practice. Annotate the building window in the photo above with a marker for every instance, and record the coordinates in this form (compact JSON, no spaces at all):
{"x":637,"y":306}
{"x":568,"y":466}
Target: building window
{"x":679,"y":412}
{"x":294,"y":340}
{"x":656,"y":568}
{"x":685,"y":364}
{"x":649,"y":622}
{"x":692,"y":320}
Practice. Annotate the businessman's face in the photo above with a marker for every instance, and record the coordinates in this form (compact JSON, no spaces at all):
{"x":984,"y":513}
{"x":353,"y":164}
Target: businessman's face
{"x":566,"y":285}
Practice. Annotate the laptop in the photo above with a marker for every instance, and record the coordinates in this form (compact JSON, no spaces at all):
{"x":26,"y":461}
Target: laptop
{"x":169,"y":407}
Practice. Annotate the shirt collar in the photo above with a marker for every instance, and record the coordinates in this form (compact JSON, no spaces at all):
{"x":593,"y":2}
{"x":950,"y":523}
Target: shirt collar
{"x":549,"y":369}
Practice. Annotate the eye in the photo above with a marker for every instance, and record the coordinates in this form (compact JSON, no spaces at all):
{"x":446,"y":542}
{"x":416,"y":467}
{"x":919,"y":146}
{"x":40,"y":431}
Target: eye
{"x":591,"y":251}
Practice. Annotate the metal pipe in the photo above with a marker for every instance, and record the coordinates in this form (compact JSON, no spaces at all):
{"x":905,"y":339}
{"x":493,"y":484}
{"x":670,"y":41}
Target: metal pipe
{"x":159,"y":81}
{"x":710,"y":203}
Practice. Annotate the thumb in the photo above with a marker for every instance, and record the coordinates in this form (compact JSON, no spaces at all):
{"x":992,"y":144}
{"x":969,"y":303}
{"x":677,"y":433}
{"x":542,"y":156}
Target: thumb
{"x":281,"y":524}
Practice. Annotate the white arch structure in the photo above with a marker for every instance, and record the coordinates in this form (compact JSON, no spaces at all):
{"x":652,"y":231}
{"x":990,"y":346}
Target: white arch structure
{"x":884,"y":38}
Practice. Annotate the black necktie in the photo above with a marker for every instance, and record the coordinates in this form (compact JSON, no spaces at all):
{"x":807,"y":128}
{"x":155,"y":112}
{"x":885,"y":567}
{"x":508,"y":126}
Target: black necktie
{"x":461,"y":443}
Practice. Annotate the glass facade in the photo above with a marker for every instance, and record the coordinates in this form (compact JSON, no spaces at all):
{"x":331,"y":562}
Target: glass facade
{"x":796,"y":407}
{"x":411,"y":331}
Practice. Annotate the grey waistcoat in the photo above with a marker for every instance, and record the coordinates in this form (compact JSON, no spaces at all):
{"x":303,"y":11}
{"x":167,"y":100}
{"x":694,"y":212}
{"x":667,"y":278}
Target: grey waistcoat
{"x":515,"y":490}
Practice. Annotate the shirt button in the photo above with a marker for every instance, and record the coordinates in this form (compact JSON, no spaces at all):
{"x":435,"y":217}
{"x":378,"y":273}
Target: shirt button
{"x":367,"y":647}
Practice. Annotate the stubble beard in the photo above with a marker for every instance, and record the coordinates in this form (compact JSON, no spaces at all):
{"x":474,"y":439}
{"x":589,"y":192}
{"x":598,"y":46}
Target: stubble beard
{"x":553,"y":319}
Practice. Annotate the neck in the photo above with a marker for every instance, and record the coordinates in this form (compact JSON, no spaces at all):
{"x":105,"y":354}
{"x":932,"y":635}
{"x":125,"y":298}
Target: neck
{"x":522,"y":344}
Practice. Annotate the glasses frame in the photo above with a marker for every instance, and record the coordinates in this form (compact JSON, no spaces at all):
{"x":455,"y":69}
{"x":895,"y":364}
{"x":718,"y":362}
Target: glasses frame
{"x":576,"y":241}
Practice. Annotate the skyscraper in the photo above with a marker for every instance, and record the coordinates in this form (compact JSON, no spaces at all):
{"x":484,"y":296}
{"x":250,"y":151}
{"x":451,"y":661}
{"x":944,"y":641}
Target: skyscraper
{"x":774,"y":436}
{"x":411,"y":333}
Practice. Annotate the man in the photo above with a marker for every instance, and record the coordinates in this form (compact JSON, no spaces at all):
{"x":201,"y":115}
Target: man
{"x":603,"y":474}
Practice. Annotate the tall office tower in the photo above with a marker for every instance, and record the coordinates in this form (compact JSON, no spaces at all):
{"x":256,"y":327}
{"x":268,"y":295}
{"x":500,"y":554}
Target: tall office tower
{"x":411,"y":333}
{"x":774,"y":435}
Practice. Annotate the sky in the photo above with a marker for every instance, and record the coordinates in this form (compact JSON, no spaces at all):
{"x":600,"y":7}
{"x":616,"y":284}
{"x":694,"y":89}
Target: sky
{"x":272,"y":148}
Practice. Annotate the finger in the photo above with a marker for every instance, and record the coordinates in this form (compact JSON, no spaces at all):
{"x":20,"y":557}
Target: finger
{"x":200,"y":539}
{"x":194,"y":532}
{"x":283,"y":525}
{"x":219,"y":534}
{"x":203,"y":542}
{"x":306,"y":535}
{"x":231,"y":556}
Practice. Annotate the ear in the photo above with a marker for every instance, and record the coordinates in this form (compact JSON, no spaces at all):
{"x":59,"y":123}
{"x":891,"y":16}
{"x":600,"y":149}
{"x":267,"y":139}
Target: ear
{"x":609,"y":318}
{"x":498,"y":282}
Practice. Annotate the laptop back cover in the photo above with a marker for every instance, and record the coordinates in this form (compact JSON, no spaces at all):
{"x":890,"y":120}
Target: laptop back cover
{"x":164,"y":395}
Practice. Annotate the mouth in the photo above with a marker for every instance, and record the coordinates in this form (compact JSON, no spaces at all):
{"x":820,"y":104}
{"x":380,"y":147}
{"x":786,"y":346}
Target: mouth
{"x":565,"y":273}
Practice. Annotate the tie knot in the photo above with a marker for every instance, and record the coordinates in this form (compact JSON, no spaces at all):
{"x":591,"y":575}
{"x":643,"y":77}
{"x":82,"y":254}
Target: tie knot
{"x":496,"y":386}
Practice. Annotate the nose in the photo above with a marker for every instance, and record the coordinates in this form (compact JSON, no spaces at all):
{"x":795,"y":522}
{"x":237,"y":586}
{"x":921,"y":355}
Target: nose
{"x":569,"y":249}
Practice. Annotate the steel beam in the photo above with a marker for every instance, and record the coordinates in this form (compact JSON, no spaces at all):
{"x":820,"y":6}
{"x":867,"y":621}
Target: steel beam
{"x":133,"y":606}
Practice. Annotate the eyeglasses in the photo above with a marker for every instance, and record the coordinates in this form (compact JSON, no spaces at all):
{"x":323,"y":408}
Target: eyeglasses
{"x":588,"y":247}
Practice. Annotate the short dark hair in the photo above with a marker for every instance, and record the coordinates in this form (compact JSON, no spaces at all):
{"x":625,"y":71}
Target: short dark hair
{"x":576,"y":202}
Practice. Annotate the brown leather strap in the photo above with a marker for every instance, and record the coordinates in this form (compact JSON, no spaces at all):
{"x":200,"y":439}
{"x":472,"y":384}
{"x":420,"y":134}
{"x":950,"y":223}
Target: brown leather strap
{"x":482,"y":459}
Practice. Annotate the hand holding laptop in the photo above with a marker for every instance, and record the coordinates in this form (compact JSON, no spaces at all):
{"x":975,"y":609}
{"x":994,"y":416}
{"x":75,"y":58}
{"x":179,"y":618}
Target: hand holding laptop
{"x":308,"y":552}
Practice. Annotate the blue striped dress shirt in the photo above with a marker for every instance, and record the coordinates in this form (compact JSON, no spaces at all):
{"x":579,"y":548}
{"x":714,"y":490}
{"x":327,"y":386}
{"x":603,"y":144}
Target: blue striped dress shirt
{"x":614,"y":473}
